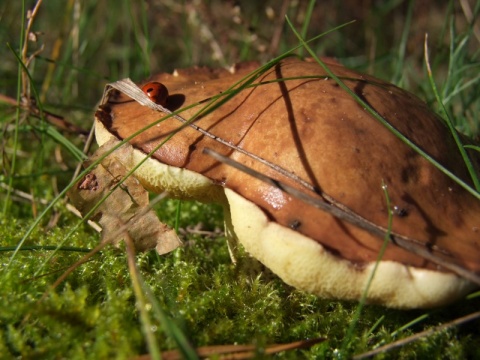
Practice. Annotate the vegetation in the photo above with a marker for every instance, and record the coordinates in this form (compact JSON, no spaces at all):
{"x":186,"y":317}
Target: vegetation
{"x":106,"y":308}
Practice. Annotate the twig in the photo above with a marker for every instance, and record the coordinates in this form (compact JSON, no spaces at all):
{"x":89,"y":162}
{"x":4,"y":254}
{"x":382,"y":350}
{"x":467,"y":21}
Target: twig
{"x":342,"y":212}
{"x":54,"y":119}
{"x":25,"y":59}
{"x":238,"y":352}
{"x":418,"y":336}
{"x":129,"y":88}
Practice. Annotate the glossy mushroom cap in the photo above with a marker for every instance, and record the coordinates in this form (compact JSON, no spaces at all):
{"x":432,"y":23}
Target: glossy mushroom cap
{"x":311,"y":127}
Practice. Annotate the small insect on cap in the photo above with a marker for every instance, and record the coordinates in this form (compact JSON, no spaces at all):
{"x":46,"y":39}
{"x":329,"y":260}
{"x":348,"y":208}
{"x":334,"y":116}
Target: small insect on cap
{"x":157,"y":92}
{"x":297,"y":117}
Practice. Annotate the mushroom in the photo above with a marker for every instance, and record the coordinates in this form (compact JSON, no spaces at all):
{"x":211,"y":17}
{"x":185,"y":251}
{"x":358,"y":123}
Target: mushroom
{"x":308,"y":125}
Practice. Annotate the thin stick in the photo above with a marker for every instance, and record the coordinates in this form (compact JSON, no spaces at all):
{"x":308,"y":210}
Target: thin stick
{"x":418,"y":336}
{"x":129,"y":88}
{"x":26,"y":60}
{"x":342,"y":212}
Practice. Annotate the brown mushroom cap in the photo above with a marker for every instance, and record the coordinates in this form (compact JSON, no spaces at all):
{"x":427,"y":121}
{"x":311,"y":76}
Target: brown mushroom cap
{"x":313,"y":128}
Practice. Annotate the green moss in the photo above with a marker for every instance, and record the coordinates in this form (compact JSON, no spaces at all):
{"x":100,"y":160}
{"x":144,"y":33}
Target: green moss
{"x":93,"y":314}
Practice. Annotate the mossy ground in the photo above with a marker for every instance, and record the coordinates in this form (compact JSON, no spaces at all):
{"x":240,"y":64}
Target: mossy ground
{"x":93,"y":313}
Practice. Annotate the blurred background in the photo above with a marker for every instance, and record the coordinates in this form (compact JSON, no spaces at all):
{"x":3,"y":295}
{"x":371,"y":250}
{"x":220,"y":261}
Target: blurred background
{"x":75,"y":47}
{"x":87,"y":43}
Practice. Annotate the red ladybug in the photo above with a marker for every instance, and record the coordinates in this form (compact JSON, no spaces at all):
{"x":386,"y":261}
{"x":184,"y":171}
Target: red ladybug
{"x":157,"y":92}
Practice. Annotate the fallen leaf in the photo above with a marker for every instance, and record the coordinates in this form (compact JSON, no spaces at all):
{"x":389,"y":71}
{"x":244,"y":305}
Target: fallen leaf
{"x":126,"y":208}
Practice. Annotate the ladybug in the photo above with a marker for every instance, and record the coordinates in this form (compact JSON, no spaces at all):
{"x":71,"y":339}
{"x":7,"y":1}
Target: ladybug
{"x":157,"y":92}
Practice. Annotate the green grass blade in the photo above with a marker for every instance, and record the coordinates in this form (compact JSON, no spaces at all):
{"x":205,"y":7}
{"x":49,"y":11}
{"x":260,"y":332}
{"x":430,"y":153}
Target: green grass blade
{"x":351,"y":329}
{"x":453,"y":131}
{"x":398,"y":134}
